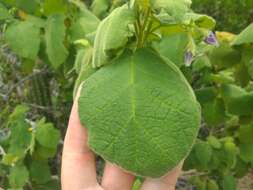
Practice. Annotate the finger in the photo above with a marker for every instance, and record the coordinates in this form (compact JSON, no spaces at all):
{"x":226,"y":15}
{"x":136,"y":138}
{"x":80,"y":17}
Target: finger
{"x":167,"y":182}
{"x":115,"y":178}
{"x":78,"y":162}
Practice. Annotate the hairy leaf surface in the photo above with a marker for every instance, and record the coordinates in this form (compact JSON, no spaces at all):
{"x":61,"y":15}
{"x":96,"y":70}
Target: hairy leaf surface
{"x":141,"y":113}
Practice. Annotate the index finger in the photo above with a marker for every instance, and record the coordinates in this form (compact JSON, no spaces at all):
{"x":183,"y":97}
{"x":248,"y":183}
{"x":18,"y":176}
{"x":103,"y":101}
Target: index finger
{"x":78,"y":161}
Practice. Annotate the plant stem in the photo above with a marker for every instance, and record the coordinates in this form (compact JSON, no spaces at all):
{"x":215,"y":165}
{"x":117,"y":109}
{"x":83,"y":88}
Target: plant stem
{"x":143,"y":27}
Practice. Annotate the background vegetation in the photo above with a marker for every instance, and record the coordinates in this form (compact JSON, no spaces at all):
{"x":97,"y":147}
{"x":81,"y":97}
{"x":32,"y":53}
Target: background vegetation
{"x":39,"y":55}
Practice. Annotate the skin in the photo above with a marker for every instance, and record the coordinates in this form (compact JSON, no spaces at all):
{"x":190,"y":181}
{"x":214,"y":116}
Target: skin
{"x":79,"y":167}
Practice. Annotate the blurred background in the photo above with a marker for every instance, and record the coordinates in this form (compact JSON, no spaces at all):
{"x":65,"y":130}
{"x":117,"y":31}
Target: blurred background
{"x":37,"y":79}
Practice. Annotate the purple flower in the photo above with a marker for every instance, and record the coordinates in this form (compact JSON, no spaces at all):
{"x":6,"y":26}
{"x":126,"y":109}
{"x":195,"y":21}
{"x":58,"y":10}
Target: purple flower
{"x":188,"y":58}
{"x":211,"y":39}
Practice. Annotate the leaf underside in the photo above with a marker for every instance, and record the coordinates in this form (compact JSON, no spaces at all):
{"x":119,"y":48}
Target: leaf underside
{"x":140,"y":113}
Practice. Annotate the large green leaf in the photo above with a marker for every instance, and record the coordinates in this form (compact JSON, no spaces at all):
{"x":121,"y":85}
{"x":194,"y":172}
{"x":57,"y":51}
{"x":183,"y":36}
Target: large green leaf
{"x":246,"y":36}
{"x":23,"y":38}
{"x":112,"y":35}
{"x":176,"y":9}
{"x":55,"y":35}
{"x":141,"y":108}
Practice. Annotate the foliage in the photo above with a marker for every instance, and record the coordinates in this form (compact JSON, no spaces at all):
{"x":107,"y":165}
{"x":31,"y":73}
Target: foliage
{"x":222,"y":78}
{"x":232,"y":15}
{"x":26,"y":148}
{"x":138,"y":115}
{"x":46,"y":46}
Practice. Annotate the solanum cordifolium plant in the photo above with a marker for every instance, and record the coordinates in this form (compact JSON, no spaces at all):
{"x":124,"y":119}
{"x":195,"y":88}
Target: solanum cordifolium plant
{"x":140,"y":111}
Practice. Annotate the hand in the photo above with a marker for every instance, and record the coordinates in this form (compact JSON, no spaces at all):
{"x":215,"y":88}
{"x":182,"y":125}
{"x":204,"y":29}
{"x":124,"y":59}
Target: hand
{"x":79,"y":168}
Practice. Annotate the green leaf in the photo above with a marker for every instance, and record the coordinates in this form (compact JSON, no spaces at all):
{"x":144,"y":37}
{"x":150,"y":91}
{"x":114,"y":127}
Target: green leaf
{"x":37,"y":21}
{"x":201,"y":20}
{"x":86,"y":23}
{"x":201,"y":63}
{"x":9,"y":159}
{"x":172,"y":30}
{"x":229,"y":183}
{"x":223,"y":77}
{"x":203,"y":152}
{"x":54,"y":6}
{"x":250,"y":68}
{"x":206,"y":94}
{"x":245,"y":36}
{"x":246,"y":152}
{"x":19,"y":176}
{"x":237,"y":100}
{"x":4,"y":14}
{"x":83,"y":67}
{"x":230,"y":147}
{"x":224,"y":56}
{"x":247,"y":61}
{"x":100,"y":7}
{"x":212,"y":185}
{"x":137,"y":184}
{"x":140,"y":102}
{"x":112,"y":35}
{"x":173,"y":47}
{"x":241,"y":168}
{"x":176,"y":9}
{"x":214,"y":142}
{"x":20,"y":138}
{"x":214,"y":112}
{"x":19,"y":113}
{"x":42,"y":153}
{"x":40,"y":172}
{"x":24,"y":39}
{"x":47,"y":135}
{"x":82,"y":58}
{"x":199,"y":183}
{"x":51,"y":185}
{"x":55,"y":35}
{"x":30,"y":6}
{"x":241,"y":74}
{"x":245,"y":133}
